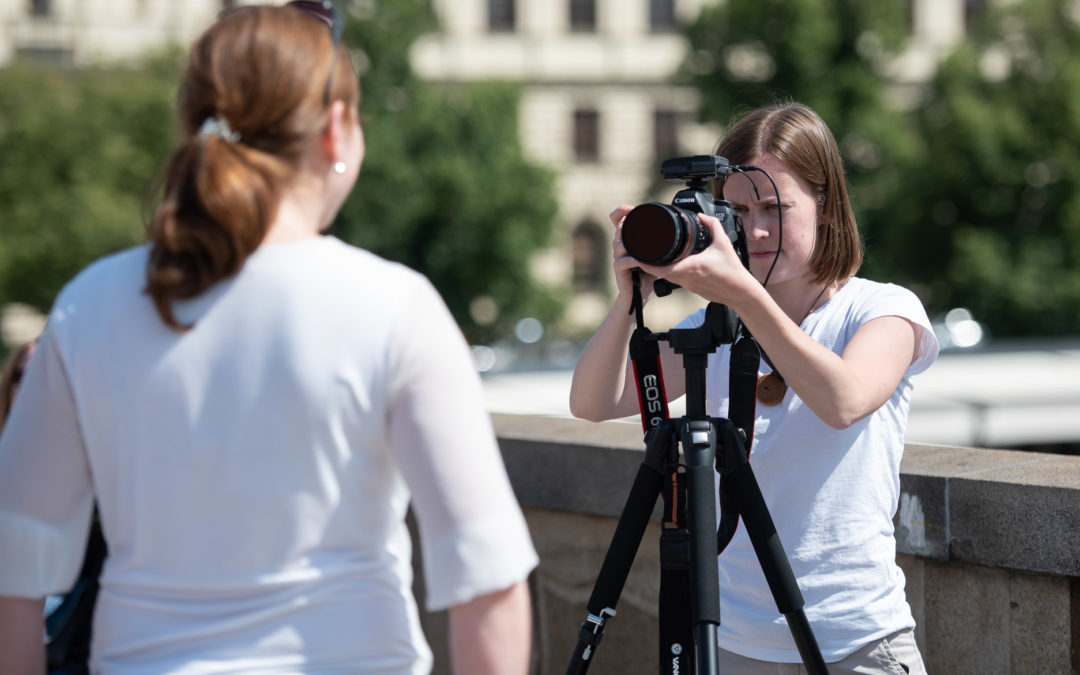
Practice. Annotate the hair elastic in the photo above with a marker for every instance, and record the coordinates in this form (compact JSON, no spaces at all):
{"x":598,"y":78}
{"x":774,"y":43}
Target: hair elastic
{"x":212,"y":126}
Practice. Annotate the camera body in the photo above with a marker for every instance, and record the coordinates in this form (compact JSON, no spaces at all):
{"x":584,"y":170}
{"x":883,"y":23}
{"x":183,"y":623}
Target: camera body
{"x":661,"y":234}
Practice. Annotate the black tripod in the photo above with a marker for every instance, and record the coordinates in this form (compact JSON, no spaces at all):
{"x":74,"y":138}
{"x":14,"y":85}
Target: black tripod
{"x":704,"y":440}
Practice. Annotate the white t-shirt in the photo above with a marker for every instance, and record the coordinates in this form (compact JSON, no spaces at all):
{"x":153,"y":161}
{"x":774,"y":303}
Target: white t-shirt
{"x":253,"y":474}
{"x":831,"y":493}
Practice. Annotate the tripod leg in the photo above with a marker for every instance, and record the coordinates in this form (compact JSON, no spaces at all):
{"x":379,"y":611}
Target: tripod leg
{"x":623,"y":548}
{"x":699,"y":448}
{"x":767,"y":546}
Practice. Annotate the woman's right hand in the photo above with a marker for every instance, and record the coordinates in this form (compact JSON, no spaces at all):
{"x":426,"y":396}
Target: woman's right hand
{"x":603,"y":385}
{"x":599,"y":389}
{"x":624,"y":264}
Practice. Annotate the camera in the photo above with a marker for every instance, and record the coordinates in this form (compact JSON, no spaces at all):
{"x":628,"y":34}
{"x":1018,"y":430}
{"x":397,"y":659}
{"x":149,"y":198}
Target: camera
{"x":660,"y":234}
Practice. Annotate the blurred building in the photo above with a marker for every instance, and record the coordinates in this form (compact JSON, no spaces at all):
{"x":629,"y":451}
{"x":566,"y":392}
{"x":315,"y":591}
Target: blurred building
{"x":73,"y":33}
{"x":598,"y":107}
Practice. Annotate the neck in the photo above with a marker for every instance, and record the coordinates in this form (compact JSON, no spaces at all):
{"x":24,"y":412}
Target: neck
{"x":300,"y":214}
{"x":799,"y":301}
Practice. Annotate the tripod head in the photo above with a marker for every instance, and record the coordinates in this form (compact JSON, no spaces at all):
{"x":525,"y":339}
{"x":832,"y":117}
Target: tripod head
{"x":721,"y":327}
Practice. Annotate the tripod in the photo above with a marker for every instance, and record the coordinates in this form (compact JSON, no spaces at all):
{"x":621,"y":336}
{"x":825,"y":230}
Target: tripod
{"x":704,"y":441}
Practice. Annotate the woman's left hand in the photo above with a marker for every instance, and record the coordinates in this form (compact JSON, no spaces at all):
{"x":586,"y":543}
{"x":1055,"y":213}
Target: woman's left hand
{"x":715,"y":274}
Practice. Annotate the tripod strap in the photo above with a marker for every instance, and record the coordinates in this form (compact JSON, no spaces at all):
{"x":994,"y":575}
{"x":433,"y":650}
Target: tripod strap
{"x":676,"y":619}
{"x":676,"y":627}
{"x":742,"y":382}
{"x":742,"y":385}
{"x":674,"y":497}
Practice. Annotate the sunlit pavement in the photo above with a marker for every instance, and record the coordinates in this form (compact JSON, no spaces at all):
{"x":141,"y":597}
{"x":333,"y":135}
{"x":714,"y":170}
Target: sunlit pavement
{"x":1003,"y":396}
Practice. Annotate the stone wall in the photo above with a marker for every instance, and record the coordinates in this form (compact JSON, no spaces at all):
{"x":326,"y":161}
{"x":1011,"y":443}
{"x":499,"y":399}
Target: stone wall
{"x":989,"y":541}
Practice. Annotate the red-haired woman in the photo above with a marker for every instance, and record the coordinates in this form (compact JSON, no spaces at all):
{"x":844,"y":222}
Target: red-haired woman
{"x":254,"y":405}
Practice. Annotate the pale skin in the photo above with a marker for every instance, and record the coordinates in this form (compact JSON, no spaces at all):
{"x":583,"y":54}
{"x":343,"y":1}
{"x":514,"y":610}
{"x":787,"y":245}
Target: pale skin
{"x":839,"y":388}
{"x":21,"y":649}
{"x":492,"y":633}
{"x":489,"y":634}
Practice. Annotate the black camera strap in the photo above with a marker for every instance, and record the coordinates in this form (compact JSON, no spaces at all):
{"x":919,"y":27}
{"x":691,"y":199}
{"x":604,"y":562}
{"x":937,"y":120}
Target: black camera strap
{"x":645,"y":357}
{"x":742,"y":383}
{"x":676,"y":629}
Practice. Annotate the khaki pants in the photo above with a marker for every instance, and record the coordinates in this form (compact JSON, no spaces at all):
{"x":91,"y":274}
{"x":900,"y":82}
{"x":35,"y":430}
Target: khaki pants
{"x":895,"y":654}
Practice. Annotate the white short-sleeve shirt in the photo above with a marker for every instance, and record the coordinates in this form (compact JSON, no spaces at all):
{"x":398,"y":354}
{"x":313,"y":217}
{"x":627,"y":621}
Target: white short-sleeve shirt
{"x":831,"y":493}
{"x":253,"y":474}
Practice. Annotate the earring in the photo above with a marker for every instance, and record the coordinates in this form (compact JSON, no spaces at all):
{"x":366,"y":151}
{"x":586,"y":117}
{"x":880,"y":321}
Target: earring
{"x":339,"y":167}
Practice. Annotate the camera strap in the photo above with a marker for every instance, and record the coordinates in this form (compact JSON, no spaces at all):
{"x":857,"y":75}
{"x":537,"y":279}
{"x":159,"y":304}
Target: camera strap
{"x":645,"y":357}
{"x":676,"y":630}
{"x":742,"y":384}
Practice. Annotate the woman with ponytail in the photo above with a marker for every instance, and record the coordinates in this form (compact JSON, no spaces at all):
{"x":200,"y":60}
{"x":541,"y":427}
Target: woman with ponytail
{"x":253,"y":405}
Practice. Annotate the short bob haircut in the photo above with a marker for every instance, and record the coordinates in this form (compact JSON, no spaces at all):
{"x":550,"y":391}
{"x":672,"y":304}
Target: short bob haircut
{"x":797,"y":136}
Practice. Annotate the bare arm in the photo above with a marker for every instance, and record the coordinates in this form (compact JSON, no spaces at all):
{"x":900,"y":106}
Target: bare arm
{"x":603,"y":387}
{"x":492,"y":634}
{"x":22,"y":651}
{"x":840,"y":389}
{"x":599,"y":389}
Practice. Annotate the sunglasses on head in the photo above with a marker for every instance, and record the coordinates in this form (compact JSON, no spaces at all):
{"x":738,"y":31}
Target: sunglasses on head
{"x":324,"y":11}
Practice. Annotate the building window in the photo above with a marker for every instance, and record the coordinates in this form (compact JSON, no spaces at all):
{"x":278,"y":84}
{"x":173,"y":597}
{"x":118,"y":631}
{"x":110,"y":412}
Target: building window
{"x":586,"y":135}
{"x":501,"y":16}
{"x":41,"y":7}
{"x":591,"y":256}
{"x":583,"y":16}
{"x":974,"y":11}
{"x":662,"y":16}
{"x":665,"y":133}
{"x":53,"y":57}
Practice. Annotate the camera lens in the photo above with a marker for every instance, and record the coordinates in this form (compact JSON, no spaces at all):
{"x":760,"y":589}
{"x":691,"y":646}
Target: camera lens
{"x":657,"y":234}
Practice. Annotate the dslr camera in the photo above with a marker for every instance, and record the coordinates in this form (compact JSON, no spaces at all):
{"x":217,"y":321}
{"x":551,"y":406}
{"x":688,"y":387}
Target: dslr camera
{"x":660,"y":234}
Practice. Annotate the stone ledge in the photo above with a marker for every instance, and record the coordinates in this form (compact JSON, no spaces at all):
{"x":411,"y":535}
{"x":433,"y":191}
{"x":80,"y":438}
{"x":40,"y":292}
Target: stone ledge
{"x":999,"y":508}
{"x":570,"y":465}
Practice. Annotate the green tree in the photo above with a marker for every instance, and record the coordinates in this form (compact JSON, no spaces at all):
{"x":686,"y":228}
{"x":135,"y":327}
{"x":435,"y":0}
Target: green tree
{"x":825,"y":53}
{"x":832,"y":55}
{"x":969,"y":192}
{"x":80,"y":150}
{"x":990,"y":218}
{"x":445,"y":186}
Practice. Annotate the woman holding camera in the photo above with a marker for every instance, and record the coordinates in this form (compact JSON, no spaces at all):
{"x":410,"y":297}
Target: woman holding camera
{"x":255,"y":406}
{"x":831,"y":411}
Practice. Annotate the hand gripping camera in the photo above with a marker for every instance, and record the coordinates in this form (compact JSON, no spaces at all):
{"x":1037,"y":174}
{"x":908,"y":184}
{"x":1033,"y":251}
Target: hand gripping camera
{"x":659,"y":234}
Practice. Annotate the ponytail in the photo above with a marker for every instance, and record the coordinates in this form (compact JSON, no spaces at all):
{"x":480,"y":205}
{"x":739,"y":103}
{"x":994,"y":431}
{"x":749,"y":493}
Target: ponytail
{"x":219,"y":200}
{"x":248,"y":108}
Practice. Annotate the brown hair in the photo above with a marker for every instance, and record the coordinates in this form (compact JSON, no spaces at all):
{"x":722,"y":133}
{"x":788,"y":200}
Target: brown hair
{"x":262,"y":71}
{"x":10,"y":374}
{"x":797,"y":136}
